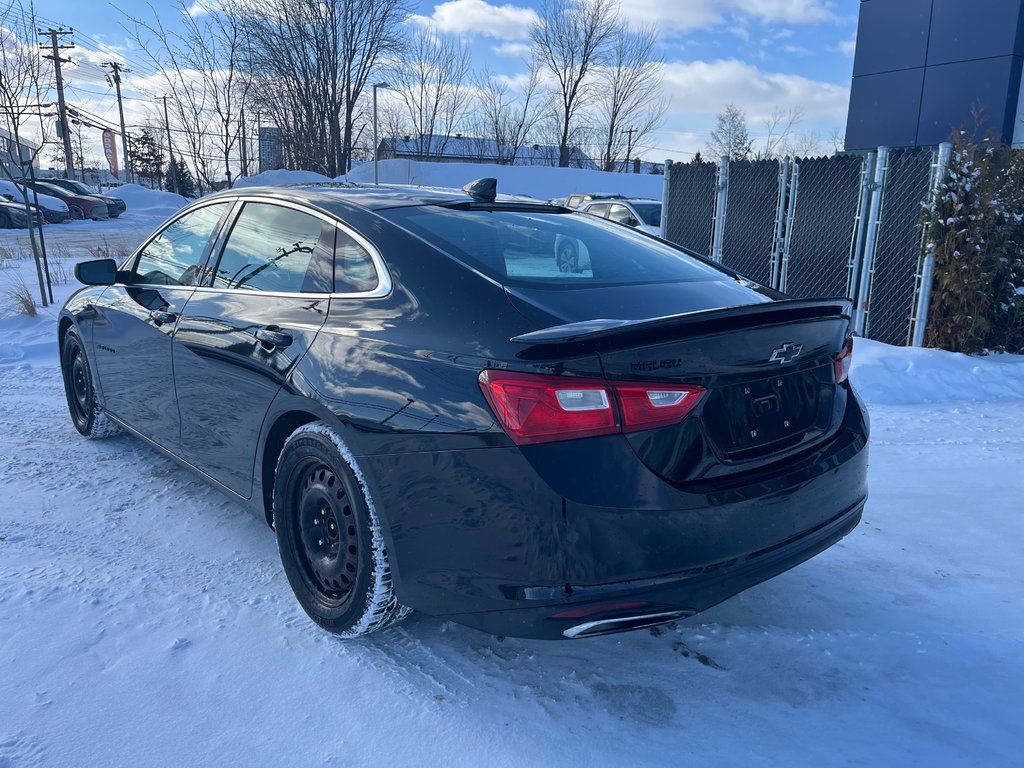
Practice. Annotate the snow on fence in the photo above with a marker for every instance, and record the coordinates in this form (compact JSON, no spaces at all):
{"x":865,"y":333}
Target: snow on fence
{"x":843,"y":225}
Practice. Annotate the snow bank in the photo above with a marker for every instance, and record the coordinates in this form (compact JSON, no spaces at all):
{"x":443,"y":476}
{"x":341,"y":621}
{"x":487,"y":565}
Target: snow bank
{"x":280,"y":178}
{"x":141,"y":199}
{"x":887,"y":375}
{"x":540,"y":182}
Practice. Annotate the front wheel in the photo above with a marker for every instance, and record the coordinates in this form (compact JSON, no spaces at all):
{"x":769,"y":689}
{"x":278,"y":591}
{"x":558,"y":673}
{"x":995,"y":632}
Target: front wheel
{"x":86,"y":415}
{"x":75,"y":212}
{"x":329,"y":536}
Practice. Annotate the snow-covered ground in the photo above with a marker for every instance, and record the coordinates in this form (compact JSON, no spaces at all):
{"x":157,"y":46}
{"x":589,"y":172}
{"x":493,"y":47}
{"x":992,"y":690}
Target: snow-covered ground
{"x":145,"y":619}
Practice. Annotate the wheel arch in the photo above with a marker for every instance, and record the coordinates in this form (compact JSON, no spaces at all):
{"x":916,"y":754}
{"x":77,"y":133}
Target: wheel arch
{"x":277,"y":433}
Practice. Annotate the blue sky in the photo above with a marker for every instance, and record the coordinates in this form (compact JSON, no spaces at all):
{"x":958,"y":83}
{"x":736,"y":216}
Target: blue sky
{"x":758,"y":54}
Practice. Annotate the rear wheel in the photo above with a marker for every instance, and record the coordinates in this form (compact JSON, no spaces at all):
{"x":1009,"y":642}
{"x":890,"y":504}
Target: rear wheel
{"x":86,"y":414}
{"x":329,"y":536}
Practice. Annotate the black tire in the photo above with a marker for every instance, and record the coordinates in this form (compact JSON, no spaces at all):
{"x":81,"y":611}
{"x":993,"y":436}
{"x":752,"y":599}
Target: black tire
{"x":567,"y":258}
{"x":75,"y":213}
{"x":86,"y":413}
{"x":5,"y":220}
{"x":329,"y":536}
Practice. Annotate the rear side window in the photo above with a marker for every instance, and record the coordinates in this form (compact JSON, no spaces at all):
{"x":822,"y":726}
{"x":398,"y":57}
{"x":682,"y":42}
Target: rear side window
{"x":275,"y":248}
{"x":568,"y":250}
{"x":174,"y":256}
{"x":353,"y":268}
{"x":598,"y":209}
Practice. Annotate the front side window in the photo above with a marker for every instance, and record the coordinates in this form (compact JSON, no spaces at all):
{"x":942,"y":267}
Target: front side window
{"x":275,"y":248}
{"x":598,"y":209}
{"x":620,"y":214}
{"x":553,"y":250}
{"x":174,"y":257}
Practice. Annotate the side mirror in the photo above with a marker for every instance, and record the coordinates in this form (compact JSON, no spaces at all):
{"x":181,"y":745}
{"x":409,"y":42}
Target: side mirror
{"x":97,"y":272}
{"x":631,"y":222}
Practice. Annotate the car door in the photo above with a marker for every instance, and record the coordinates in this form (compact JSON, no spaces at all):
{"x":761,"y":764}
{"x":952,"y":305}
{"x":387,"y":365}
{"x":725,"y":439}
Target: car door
{"x":137,"y":316}
{"x":241,"y":334}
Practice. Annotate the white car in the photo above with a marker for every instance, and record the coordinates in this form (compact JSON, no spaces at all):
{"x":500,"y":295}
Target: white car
{"x":54,"y":209}
{"x":643,"y":214}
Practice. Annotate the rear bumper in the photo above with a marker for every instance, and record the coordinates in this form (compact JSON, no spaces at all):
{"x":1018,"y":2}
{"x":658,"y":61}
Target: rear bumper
{"x":506,"y":539}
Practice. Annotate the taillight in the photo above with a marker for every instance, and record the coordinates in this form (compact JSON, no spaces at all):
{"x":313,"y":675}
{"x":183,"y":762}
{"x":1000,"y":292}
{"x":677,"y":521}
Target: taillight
{"x":539,"y":408}
{"x":844,"y":361}
{"x":646,"y":406}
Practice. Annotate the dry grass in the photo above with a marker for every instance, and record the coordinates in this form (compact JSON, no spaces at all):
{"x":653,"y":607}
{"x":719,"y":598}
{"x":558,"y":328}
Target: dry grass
{"x":18,"y":298}
{"x":6,"y":257}
{"x":58,"y":259}
{"x":107,"y":251}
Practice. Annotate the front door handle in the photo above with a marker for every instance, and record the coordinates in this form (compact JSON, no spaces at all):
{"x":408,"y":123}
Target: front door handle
{"x":273,"y":337}
{"x":161,"y":316}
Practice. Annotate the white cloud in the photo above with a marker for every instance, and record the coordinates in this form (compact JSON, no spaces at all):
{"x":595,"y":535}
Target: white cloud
{"x":849,"y":47}
{"x":505,"y":22}
{"x":512,"y":49}
{"x":702,"y":14}
{"x":706,"y":86}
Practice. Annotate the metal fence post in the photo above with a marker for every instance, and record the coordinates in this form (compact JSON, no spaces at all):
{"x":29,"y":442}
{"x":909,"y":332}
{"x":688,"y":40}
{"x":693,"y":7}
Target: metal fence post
{"x":794,"y":187}
{"x":780,"y":219}
{"x":927,"y":273}
{"x":860,"y":315}
{"x":867,"y":174}
{"x":664,"y":200}
{"x":721,"y":201}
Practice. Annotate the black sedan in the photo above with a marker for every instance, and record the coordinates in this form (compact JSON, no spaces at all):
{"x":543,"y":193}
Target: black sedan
{"x":13,"y":214}
{"x":432,"y":416}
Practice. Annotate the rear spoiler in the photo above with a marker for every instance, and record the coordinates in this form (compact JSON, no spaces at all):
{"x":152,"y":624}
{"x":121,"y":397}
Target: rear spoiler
{"x":705,"y":321}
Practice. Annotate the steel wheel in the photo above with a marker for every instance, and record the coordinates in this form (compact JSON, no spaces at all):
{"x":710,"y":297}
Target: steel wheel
{"x":327,"y":546}
{"x":86,"y":415}
{"x":329,"y":536}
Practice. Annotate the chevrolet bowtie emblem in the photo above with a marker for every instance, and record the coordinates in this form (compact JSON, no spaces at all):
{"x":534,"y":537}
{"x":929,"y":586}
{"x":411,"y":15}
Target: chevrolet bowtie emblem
{"x":787,"y":353}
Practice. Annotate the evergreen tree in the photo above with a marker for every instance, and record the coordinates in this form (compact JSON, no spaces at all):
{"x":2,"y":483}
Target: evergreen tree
{"x":147,"y":158}
{"x":178,"y":172}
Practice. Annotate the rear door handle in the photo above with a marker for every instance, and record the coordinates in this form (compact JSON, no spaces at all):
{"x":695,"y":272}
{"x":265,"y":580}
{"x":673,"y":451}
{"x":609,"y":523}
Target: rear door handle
{"x":272,"y":337}
{"x":161,"y":316}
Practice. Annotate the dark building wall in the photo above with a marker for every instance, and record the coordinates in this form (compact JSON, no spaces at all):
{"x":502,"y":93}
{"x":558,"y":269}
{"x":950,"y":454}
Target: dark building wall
{"x":922,"y":65}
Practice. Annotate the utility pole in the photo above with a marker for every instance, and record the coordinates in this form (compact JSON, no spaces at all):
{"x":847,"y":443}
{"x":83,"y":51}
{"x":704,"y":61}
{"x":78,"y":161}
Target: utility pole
{"x":170,"y":147}
{"x":62,"y":112}
{"x":629,"y":145}
{"x":116,"y":70}
{"x":244,"y":143}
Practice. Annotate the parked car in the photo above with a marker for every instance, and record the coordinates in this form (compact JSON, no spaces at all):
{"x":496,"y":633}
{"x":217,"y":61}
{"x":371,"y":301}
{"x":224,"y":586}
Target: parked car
{"x":115,"y":205}
{"x":643,"y":214}
{"x":580,"y":198}
{"x":79,"y":206}
{"x":13,"y":215}
{"x":54,"y":210}
{"x":432,"y":416}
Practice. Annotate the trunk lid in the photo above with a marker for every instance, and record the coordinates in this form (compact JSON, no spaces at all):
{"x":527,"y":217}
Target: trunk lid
{"x":767,"y":368}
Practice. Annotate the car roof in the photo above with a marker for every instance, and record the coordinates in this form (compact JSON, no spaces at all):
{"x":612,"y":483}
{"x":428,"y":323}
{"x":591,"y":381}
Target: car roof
{"x":368,"y":196}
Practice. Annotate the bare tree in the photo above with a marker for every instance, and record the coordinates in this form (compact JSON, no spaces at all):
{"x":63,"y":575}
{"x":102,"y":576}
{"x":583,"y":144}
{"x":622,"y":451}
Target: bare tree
{"x":431,"y":83}
{"x":313,"y":59}
{"x":631,"y":106}
{"x":23,"y":82}
{"x":505,"y":117}
{"x":779,"y":127}
{"x":571,"y":38}
{"x":730,"y":135}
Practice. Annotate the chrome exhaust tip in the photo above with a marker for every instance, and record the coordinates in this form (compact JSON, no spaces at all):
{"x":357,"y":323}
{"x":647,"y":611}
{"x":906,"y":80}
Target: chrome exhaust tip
{"x":624,"y":623}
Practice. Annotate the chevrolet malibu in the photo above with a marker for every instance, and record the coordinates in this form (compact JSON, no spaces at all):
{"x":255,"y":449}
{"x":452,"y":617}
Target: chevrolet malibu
{"x":432,"y":415}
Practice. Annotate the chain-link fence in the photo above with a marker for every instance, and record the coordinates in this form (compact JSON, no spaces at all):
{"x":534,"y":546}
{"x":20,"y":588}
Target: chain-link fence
{"x":690,"y":204}
{"x":827,"y":204}
{"x":816,"y":227}
{"x":897,"y":253}
{"x":749,"y":232}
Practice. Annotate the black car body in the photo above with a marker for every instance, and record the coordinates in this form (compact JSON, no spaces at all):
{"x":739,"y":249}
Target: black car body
{"x":13,"y":215}
{"x":115,"y":205}
{"x":545,"y":457}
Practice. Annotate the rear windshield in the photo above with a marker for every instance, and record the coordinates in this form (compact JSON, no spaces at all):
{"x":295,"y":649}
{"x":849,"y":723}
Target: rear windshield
{"x":551,"y":249}
{"x":649,"y":212}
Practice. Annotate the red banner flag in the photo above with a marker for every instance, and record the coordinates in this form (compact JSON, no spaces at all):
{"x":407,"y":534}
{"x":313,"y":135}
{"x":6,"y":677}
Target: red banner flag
{"x":110,"y":150}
